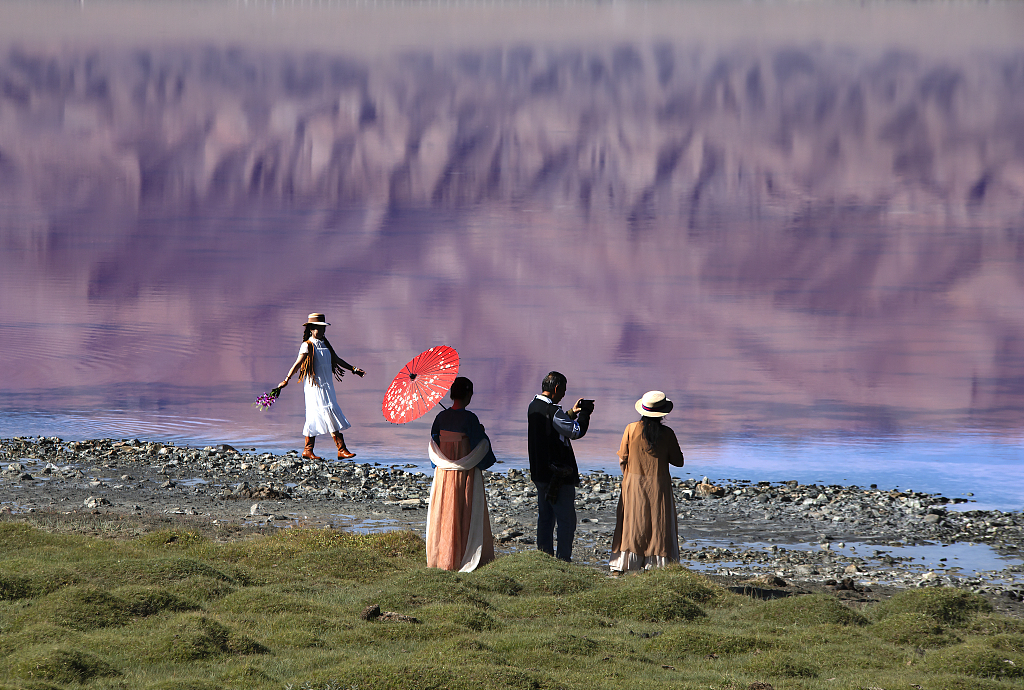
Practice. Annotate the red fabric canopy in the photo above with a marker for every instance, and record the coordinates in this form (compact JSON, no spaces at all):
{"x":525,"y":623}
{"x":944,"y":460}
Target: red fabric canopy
{"x":421,"y":384}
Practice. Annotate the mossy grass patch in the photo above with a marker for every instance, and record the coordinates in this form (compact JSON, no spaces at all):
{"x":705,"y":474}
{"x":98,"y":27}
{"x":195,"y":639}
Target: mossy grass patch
{"x":14,"y":587}
{"x":803,"y":610}
{"x":158,"y":570}
{"x":782,"y":664}
{"x":62,"y":664}
{"x":1013,"y":642}
{"x":265,"y":612}
{"x":267,"y":601}
{"x":634,"y":604}
{"x":201,"y":588}
{"x":653,"y":596}
{"x":244,"y":676}
{"x":16,"y":536}
{"x":945,"y":605}
{"x":978,"y":659}
{"x":684,"y":582}
{"x":410,"y":590}
{"x":912,"y":628}
{"x":535,"y":573}
{"x":173,"y":539}
{"x":88,"y":607}
{"x":704,"y":640}
{"x":195,"y":637}
{"x":328,"y":554}
{"x":951,"y":682}
{"x":463,"y":615}
{"x":185,"y":684}
{"x":994,"y":624}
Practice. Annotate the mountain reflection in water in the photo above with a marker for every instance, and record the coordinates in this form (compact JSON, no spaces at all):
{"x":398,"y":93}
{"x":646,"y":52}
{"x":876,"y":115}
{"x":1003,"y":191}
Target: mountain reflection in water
{"x":793,"y":240}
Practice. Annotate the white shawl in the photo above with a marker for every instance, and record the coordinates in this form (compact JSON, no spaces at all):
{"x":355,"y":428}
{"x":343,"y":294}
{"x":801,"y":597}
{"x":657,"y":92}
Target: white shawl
{"x":475,"y":543}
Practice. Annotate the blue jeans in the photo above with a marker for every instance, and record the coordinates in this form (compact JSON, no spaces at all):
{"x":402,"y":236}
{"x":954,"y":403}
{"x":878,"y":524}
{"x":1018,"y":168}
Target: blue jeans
{"x":562,"y":513}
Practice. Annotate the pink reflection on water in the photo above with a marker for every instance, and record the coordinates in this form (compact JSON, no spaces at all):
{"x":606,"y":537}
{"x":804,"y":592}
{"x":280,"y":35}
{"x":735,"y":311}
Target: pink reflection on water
{"x":789,"y":330}
{"x":810,"y":232}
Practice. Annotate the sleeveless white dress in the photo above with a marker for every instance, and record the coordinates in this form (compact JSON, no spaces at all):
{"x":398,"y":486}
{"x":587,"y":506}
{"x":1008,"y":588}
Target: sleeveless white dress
{"x":323,"y":414}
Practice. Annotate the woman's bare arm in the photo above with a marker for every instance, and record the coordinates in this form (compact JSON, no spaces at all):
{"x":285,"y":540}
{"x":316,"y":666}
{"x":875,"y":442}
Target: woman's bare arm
{"x":295,"y":367}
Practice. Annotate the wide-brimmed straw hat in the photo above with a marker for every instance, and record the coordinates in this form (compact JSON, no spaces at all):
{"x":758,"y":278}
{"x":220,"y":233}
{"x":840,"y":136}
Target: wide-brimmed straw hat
{"x":653,"y":404}
{"x":316,"y":320}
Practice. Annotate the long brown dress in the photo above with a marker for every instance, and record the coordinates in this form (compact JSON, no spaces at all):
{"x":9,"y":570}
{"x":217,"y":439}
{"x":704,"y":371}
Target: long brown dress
{"x":458,"y":524}
{"x":646,"y":534}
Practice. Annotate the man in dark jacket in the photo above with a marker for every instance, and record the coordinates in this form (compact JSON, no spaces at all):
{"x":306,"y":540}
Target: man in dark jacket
{"x":553,"y":464}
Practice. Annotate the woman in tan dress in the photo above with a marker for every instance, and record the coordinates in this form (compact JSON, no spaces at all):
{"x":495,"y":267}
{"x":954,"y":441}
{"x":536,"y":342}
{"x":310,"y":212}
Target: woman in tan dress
{"x":645,"y":526}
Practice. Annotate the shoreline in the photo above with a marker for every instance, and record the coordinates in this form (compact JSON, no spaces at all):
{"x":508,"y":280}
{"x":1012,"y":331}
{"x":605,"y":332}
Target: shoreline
{"x":805,"y":534}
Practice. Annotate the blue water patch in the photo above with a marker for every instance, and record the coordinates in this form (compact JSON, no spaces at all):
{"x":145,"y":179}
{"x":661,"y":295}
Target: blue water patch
{"x":963,"y":559}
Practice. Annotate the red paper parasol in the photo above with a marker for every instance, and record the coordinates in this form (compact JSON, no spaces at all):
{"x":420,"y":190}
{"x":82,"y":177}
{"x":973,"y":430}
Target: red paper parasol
{"x":421,"y":383}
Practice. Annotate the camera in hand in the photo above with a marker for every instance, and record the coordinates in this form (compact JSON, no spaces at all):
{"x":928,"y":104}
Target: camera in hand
{"x":586,"y":405}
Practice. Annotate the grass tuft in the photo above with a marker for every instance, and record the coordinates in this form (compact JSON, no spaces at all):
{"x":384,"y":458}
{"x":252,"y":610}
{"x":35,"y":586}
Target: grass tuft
{"x":13,"y":587}
{"x":63,"y":665}
{"x":654,"y":596}
{"x":175,"y":538}
{"x":87,"y":607}
{"x":192,"y":638}
{"x":778,"y":664}
{"x":493,"y":581}
{"x":950,"y":682}
{"x":245,"y":676}
{"x":463,"y":615}
{"x":201,"y":588}
{"x":1007,"y":643}
{"x":685,"y":583}
{"x":145,"y":600}
{"x":913,"y":629}
{"x":538,"y":573}
{"x":946,"y":605}
{"x":804,"y":610}
{"x":702,"y":641}
{"x":185,"y":684}
{"x":573,"y":645}
{"x":638,"y":604}
{"x":977,"y":659}
{"x":82,"y":607}
{"x":423,"y":586}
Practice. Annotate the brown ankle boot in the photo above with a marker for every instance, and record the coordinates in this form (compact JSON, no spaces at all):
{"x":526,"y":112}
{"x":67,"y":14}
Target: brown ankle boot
{"x":343,"y":452}
{"x":307,"y":452}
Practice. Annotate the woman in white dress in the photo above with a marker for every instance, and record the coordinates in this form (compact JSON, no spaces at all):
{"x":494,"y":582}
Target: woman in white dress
{"x":317,"y":365}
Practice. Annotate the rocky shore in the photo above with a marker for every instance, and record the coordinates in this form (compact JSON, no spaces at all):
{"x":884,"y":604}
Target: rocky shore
{"x":847,"y":538}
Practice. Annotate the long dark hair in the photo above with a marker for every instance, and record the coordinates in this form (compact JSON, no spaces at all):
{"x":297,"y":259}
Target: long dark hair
{"x":338,"y":365}
{"x":651,"y":430}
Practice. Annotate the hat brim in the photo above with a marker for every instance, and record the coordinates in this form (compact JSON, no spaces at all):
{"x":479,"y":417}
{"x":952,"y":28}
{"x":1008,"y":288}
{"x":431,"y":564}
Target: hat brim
{"x":316,"y":323}
{"x":650,"y":413}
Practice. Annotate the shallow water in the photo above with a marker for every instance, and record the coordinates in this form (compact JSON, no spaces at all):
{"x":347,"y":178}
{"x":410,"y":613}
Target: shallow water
{"x":827,"y":296}
{"x":962,"y":560}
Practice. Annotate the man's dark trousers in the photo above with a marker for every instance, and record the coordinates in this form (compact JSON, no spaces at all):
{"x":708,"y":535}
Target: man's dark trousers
{"x":562,"y":513}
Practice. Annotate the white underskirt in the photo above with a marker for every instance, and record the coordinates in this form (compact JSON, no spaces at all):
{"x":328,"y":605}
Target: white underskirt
{"x":624,"y":561}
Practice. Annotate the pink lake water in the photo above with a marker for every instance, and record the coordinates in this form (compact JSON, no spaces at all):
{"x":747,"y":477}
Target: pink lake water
{"x":812,"y":241}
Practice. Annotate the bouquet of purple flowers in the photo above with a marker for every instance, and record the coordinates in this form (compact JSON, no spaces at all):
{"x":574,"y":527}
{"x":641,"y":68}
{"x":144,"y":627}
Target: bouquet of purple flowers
{"x":267,"y":399}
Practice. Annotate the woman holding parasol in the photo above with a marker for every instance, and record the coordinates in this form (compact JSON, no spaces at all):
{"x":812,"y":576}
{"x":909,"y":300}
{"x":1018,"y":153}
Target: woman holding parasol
{"x":458,"y":524}
{"x":317,"y":365}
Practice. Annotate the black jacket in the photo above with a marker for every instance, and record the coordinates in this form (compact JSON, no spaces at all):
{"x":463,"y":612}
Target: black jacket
{"x":546,"y":448}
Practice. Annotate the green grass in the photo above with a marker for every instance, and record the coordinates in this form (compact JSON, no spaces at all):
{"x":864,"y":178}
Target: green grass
{"x":178,"y":610}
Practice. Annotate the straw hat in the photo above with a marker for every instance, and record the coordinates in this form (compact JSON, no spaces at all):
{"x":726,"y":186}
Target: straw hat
{"x":653,"y":404}
{"x":315,"y":319}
